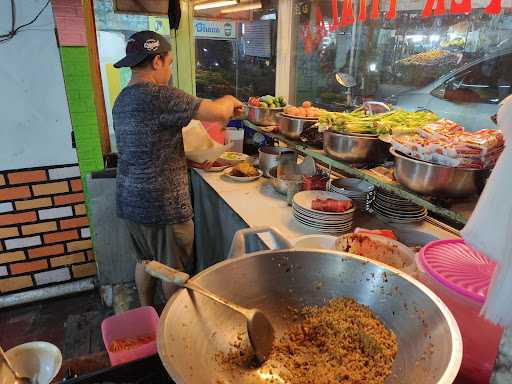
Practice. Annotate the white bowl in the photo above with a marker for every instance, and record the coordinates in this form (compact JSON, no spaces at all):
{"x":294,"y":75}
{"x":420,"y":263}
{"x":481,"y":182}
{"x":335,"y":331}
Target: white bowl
{"x":315,"y":242}
{"x":37,"y":360}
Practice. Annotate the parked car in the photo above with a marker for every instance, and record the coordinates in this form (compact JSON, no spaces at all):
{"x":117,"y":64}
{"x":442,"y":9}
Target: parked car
{"x":468,"y":95}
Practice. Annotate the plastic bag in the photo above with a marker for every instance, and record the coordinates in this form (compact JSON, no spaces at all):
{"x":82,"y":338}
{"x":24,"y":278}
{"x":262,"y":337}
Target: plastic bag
{"x":199,"y":146}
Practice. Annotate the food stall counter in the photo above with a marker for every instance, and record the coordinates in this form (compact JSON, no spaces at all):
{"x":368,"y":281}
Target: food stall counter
{"x":223,"y":206}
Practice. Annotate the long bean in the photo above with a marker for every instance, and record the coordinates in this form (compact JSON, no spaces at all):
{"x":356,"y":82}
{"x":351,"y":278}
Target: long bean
{"x":360,"y":122}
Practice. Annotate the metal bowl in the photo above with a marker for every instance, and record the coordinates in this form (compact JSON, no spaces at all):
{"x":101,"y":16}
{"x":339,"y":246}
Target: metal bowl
{"x":292,"y":127}
{"x":354,"y":148}
{"x":281,"y":185}
{"x":437,"y":180}
{"x":269,"y":158}
{"x":429,"y":341}
{"x":263,"y":116}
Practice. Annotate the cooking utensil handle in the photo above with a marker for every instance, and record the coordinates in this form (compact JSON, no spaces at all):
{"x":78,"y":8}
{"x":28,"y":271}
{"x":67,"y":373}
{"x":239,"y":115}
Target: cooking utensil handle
{"x":165,"y":273}
{"x":238,"y":247}
{"x":203,"y":291}
{"x":4,"y":358}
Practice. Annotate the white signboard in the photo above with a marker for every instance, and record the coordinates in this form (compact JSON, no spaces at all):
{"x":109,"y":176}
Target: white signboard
{"x":215,"y":29}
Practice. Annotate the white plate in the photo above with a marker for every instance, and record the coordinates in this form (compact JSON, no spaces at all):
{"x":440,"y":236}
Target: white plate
{"x":216,"y":169}
{"x":352,"y":185}
{"x":327,"y":230}
{"x":398,"y":221}
{"x":393,"y":209}
{"x":233,"y":158}
{"x":396,"y":211}
{"x":316,"y":216}
{"x":241,"y":179}
{"x":323,"y":222}
{"x":398,"y":214}
{"x":305,"y":198}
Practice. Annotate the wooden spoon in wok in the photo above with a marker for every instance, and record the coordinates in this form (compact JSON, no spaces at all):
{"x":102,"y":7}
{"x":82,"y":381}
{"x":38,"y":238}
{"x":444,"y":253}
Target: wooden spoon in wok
{"x":259,"y":328}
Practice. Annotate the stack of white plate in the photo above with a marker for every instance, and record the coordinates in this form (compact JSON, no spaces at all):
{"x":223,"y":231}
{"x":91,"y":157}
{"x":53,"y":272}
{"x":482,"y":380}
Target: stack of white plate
{"x":360,"y":192}
{"x":395,"y":209}
{"x":324,"y":222}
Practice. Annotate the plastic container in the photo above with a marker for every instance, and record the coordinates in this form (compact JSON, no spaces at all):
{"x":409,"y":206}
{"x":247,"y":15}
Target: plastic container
{"x":137,"y":322}
{"x":460,"y":276}
{"x":315,"y":242}
{"x":235,"y":136}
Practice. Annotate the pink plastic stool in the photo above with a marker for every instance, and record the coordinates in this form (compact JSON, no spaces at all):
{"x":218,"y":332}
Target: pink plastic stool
{"x":137,"y":322}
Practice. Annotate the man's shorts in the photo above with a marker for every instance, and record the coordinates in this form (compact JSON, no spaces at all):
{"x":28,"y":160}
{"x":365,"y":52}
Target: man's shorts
{"x":171,"y":244}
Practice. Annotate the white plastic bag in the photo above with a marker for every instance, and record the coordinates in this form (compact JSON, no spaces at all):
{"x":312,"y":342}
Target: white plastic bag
{"x":199,"y":146}
{"x":489,"y":228}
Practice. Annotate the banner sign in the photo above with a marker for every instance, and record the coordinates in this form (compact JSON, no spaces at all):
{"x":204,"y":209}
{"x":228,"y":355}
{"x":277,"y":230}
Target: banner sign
{"x":215,"y":29}
{"x":345,"y":15}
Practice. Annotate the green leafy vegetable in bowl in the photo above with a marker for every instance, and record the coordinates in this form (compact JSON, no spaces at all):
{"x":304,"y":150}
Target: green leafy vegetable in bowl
{"x":397,"y":121}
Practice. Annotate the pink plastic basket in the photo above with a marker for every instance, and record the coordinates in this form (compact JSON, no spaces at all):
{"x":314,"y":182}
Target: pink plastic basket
{"x":137,"y":322}
{"x":460,"y":276}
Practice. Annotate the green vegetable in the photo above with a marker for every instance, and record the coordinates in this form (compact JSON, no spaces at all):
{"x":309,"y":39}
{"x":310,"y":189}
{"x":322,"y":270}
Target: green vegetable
{"x":263,"y":104}
{"x":360,"y":122}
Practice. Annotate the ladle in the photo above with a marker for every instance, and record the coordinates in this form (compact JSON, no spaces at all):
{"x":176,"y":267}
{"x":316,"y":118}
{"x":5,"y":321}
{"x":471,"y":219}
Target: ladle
{"x":259,"y":328}
{"x":346,"y":80}
{"x":17,"y":378}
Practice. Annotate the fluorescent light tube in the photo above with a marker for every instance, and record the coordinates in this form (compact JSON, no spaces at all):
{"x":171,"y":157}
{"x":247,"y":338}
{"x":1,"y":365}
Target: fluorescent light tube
{"x":215,"y":4}
{"x":242,"y":7}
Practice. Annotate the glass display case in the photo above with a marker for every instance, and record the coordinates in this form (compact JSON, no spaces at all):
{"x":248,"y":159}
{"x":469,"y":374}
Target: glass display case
{"x":449,"y":63}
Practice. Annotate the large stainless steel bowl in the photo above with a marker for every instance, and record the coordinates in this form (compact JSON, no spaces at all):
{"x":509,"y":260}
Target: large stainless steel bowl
{"x":354,"y":148}
{"x":269,"y":158}
{"x":263,"y":116}
{"x":193,"y":329}
{"x":292,"y":128}
{"x":437,"y":180}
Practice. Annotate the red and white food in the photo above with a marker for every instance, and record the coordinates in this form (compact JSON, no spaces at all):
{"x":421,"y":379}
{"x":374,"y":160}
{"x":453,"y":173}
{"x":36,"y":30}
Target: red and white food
{"x":331,"y":205}
{"x":381,"y":232}
{"x":446,"y":143}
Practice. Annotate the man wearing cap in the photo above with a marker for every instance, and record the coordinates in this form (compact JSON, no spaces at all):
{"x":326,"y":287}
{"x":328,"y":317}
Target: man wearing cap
{"x":152,"y":181}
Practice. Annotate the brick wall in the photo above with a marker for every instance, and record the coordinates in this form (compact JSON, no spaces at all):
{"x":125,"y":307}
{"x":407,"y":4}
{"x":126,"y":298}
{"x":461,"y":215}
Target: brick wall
{"x":44,"y":231}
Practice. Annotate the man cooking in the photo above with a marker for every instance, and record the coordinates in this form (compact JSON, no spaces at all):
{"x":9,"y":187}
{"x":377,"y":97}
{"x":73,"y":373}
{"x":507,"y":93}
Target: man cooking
{"x":152,"y":181}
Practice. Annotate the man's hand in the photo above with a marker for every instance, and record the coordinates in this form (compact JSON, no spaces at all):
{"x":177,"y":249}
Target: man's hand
{"x":221,"y":110}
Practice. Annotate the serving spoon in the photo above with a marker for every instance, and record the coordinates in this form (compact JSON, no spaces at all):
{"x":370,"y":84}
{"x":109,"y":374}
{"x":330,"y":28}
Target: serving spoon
{"x":17,"y":378}
{"x":259,"y":328}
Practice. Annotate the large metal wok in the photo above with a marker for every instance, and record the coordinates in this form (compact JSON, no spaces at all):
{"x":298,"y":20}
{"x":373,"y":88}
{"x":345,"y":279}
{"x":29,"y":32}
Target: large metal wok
{"x":193,"y":329}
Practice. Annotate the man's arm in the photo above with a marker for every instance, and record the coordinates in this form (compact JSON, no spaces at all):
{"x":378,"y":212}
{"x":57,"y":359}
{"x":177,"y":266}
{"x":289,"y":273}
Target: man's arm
{"x":222,"y":109}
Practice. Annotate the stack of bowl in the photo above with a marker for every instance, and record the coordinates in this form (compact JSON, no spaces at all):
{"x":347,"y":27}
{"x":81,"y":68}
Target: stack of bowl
{"x":395,"y":209}
{"x":360,"y":192}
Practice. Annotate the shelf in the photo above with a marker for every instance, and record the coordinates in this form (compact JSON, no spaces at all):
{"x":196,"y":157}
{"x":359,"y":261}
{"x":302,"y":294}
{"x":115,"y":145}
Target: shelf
{"x":449,"y":214}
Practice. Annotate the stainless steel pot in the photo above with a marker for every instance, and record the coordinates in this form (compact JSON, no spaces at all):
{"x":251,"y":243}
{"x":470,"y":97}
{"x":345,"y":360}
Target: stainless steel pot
{"x":293,"y":128}
{"x":193,"y":329}
{"x":263,"y":116}
{"x":269,"y":157}
{"x":437,"y":180}
{"x":354,"y":148}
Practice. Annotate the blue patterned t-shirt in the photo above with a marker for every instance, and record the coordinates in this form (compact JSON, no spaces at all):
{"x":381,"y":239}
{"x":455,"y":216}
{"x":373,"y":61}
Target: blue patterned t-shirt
{"x":152,"y":179}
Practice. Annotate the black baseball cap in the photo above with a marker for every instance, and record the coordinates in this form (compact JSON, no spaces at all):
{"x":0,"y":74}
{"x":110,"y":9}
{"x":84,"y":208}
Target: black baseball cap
{"x":142,"y":45}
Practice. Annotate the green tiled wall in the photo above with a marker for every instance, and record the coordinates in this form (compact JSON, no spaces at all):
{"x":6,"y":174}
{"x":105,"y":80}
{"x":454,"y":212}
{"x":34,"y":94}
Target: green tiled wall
{"x":77,"y":77}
